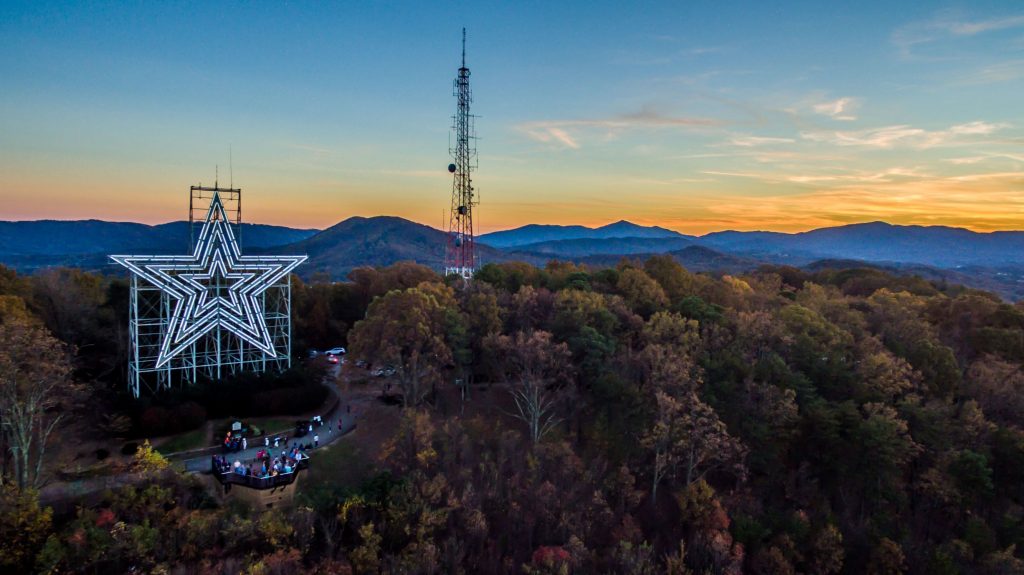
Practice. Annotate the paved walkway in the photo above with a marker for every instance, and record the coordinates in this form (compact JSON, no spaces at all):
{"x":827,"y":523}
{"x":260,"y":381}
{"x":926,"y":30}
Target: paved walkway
{"x":328,"y":433}
{"x":198,"y":461}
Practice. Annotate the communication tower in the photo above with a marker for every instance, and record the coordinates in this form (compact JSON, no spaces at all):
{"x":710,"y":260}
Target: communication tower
{"x":460,"y":254}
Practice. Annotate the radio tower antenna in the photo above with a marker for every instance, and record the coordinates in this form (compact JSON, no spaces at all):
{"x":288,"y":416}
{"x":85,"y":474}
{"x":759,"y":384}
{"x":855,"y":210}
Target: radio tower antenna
{"x":460,"y":254}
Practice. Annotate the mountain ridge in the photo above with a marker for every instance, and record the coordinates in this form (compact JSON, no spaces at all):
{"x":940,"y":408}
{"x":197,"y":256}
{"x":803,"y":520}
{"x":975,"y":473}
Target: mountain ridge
{"x":994,"y":259}
{"x":535,"y":233}
{"x":83,"y":237}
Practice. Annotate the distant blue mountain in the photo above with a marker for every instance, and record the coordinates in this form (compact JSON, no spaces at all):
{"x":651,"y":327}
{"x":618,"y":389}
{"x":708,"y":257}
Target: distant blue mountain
{"x":992,"y":261}
{"x":535,"y":233}
{"x":60,"y":238}
{"x":584,"y":247}
{"x":880,"y":242}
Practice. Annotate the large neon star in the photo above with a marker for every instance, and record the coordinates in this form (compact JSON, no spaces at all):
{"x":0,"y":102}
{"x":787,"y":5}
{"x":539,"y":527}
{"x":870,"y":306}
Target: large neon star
{"x":215,"y":287}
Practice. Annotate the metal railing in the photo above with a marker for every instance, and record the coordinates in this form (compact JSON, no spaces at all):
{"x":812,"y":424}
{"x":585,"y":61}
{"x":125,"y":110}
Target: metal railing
{"x":254,"y":482}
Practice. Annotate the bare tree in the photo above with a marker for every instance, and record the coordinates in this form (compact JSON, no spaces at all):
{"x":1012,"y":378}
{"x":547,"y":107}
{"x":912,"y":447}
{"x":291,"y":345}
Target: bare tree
{"x":535,"y":368}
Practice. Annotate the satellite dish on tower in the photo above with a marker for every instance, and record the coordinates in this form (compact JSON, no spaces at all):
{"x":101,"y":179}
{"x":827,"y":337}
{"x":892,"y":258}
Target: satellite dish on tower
{"x":451,"y":168}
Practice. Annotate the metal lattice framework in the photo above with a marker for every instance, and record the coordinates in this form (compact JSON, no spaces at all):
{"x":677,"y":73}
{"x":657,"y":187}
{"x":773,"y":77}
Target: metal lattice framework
{"x":460,"y":253}
{"x":212,"y":313}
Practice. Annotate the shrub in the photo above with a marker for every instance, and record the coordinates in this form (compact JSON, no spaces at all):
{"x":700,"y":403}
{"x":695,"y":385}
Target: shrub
{"x":189,"y":415}
{"x":154,"y":420}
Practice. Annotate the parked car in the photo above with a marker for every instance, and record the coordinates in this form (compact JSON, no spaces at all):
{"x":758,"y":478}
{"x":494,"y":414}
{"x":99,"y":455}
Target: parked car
{"x":332,"y":359}
{"x":336,"y":351}
{"x":386,"y":371}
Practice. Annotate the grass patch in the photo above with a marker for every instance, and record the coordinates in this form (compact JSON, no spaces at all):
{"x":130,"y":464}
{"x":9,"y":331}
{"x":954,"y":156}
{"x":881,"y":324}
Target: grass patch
{"x":78,"y":473}
{"x":340,"y":465}
{"x":186,"y":441}
{"x":273,"y":424}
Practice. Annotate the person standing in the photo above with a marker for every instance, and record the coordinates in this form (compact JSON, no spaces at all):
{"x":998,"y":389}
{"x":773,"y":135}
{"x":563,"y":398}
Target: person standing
{"x":245,"y":444}
{"x":316,"y":440}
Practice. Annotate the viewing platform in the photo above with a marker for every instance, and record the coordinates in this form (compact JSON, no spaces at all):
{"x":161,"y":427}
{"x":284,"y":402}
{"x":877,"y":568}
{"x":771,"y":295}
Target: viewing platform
{"x":230,"y":477}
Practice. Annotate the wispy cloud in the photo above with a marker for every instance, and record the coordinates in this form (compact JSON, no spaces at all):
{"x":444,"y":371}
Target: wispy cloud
{"x":995,"y":73}
{"x":948,"y":26}
{"x":549,"y":133}
{"x":972,"y":28}
{"x":966,"y":161}
{"x":905,"y":135}
{"x":986,"y":157}
{"x":837,"y":177}
{"x":840,"y":109}
{"x":751,"y":141}
{"x":570,"y":133}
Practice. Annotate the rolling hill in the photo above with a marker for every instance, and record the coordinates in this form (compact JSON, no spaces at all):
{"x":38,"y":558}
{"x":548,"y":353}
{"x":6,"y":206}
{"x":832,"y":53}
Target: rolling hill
{"x":535,"y":233}
{"x":992,"y":261}
{"x":881,"y":242}
{"x":87,"y":243}
{"x":693,"y":258}
{"x":77,"y":237}
{"x":376,"y":241}
{"x":601,"y":246}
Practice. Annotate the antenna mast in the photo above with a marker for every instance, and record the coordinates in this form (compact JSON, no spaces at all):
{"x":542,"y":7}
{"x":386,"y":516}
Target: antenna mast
{"x":460,"y":256}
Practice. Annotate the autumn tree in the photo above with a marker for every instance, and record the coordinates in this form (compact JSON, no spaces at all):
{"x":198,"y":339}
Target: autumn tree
{"x":998,"y":386}
{"x":530,"y":308}
{"x":371,"y":282}
{"x":321,"y":310}
{"x":887,"y":558}
{"x":584,"y":321}
{"x":643,"y":295}
{"x":483,"y":317}
{"x":899,"y":318}
{"x":24,"y":527}
{"x":406,"y":329}
{"x":673,"y":278}
{"x":70,"y":303}
{"x":826,"y":553}
{"x":881,"y":374}
{"x":686,"y":437}
{"x":536,"y":369}
{"x":35,"y":380}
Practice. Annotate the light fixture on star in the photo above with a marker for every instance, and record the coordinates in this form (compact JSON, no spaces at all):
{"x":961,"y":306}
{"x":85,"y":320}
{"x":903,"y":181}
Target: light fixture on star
{"x":215,"y":287}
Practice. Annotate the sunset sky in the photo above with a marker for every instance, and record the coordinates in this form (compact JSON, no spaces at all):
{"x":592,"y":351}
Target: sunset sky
{"x":696,"y":116}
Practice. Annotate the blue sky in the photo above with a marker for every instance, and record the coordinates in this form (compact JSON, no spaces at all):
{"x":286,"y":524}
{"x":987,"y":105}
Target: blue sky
{"x":695,"y":116}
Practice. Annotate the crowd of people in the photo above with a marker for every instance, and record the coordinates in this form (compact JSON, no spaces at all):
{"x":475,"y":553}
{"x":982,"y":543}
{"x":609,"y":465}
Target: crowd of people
{"x":235,"y":442}
{"x":265,"y":465}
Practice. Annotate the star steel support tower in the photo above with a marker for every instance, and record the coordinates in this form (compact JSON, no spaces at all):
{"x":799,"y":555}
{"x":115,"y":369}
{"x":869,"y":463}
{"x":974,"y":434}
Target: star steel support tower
{"x":213,"y":312}
{"x":460,"y":253}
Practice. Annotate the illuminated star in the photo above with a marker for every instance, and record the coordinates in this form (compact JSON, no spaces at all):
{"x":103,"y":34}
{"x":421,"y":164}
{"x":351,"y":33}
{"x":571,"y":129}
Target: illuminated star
{"x":214,"y":288}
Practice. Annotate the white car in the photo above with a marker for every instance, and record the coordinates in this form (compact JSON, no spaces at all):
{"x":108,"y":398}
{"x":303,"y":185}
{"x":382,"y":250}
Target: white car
{"x":336,"y":351}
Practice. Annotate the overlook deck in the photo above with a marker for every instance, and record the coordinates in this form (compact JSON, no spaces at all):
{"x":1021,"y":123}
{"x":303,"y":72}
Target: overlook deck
{"x":230,"y":477}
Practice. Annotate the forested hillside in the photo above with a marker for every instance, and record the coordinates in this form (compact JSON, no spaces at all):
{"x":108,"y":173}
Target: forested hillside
{"x":639,"y":419}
